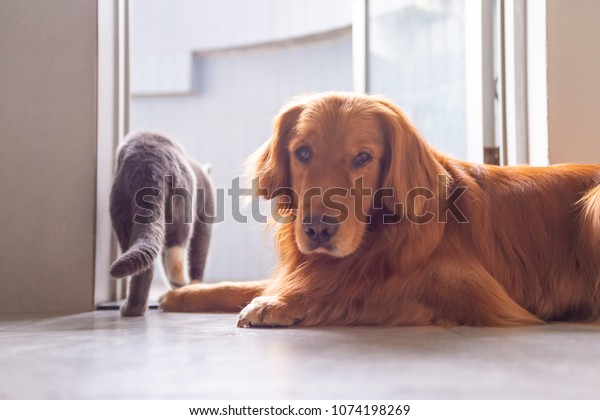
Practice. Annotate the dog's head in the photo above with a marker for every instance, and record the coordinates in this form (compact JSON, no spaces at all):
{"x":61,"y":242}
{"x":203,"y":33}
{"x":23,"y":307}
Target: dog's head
{"x":328,"y":157}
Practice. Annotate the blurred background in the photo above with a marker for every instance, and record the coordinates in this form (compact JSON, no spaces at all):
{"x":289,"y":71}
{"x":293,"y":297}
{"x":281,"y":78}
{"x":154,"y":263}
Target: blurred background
{"x":213,"y":74}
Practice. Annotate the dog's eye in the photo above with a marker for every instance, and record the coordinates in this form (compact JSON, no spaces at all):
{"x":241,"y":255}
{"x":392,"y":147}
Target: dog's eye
{"x":361,"y":159}
{"x":303,"y":154}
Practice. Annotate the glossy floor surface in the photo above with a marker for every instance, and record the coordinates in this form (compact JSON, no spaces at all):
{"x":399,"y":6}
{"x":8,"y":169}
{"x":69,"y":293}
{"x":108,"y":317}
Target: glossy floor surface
{"x":194,"y":356}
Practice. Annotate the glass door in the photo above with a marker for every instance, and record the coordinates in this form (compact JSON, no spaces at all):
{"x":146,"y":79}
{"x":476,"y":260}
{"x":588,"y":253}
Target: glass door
{"x":434,"y":58}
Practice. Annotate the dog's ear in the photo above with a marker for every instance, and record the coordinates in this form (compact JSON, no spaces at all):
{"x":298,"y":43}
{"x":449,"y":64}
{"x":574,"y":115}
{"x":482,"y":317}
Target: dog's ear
{"x":411,"y":171}
{"x":270,"y":163}
{"x":413,"y":179}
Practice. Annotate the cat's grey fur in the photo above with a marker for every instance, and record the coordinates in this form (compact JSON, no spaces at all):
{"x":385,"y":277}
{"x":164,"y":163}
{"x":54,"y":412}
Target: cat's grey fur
{"x":147,"y":161}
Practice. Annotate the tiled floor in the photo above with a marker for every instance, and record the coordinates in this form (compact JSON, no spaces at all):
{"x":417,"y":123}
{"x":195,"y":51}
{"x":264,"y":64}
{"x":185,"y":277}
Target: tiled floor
{"x":192,"y":356}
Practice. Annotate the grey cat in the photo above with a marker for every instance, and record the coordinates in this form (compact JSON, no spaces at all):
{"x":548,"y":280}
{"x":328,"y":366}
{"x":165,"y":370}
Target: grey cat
{"x":160,"y":201}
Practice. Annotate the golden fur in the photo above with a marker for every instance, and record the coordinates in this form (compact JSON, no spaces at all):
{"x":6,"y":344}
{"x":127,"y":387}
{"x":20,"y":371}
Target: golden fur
{"x":530,"y":252}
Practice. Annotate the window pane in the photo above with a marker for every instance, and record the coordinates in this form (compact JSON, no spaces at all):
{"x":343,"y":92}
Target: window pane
{"x":417,"y":59}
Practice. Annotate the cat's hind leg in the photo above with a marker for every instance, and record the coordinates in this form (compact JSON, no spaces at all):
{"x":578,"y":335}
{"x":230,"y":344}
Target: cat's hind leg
{"x":200,"y":241}
{"x":175,"y":264}
{"x":137,"y":296}
{"x":198,"y":250}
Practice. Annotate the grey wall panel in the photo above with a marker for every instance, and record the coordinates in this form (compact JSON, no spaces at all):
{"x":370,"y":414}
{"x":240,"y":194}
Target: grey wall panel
{"x":48,"y":155}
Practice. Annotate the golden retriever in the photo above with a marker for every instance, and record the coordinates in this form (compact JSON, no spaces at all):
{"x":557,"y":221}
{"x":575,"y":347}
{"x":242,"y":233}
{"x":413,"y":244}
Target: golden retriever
{"x":378,"y":228}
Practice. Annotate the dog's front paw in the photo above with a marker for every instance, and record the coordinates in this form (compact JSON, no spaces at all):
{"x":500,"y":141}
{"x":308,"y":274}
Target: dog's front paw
{"x":172,"y":301}
{"x":268,"y":311}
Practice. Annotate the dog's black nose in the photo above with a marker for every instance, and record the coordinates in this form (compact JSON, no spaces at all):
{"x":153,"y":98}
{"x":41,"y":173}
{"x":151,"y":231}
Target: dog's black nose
{"x":320,"y":228}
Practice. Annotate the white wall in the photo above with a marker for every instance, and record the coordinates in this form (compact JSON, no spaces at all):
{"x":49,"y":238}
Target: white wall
{"x":201,"y":25}
{"x":166,"y":33}
{"x":48,"y":155}
{"x":573,"y":31}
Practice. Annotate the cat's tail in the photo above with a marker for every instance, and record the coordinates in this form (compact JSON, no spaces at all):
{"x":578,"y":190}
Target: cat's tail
{"x":147,"y":238}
